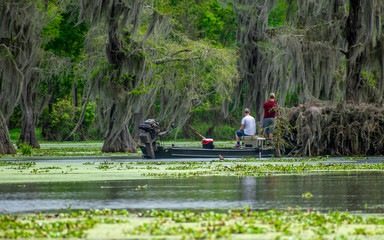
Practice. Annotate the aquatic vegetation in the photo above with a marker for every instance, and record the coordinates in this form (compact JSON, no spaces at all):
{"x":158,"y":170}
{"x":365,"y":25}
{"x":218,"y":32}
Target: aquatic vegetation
{"x":25,"y":148}
{"x":187,"y":224}
{"x":89,"y":163}
{"x":141,"y":187}
{"x":245,"y":169}
{"x":56,"y":225}
{"x":307,"y":195}
{"x":17,"y":164}
{"x":256,"y":159}
{"x":183,"y":169}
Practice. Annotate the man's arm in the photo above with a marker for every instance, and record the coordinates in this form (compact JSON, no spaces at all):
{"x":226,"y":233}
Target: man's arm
{"x":241,"y":127}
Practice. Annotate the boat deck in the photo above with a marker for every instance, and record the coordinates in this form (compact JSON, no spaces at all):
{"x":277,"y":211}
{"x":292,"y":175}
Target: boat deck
{"x":184,"y":152}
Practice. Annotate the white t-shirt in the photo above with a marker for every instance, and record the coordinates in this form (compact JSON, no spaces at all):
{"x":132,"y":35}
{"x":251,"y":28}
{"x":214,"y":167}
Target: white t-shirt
{"x":249,"y":125}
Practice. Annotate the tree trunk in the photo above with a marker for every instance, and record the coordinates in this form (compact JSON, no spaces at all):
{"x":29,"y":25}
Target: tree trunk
{"x":354,"y":55}
{"x":138,"y":118}
{"x":195,"y":131}
{"x":210,"y":131}
{"x":75,"y":100}
{"x":6,"y":146}
{"x":122,"y":143}
{"x":353,"y":80}
{"x":28,"y":130}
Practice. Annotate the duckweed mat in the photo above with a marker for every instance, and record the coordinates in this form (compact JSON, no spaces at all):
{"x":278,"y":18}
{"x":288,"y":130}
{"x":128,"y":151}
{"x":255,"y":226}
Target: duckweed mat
{"x":95,"y":169}
{"x":163,"y":224}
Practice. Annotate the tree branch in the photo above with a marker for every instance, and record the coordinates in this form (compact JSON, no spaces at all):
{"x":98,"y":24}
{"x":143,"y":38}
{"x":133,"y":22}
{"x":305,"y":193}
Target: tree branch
{"x":167,"y":59}
{"x":344,"y":52}
{"x":195,"y":131}
{"x":82,"y":112}
{"x":184,"y":50}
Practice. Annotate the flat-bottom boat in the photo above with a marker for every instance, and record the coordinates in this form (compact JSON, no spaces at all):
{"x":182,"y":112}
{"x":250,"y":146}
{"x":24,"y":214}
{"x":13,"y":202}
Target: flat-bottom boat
{"x":253,"y":146}
{"x":184,"y":152}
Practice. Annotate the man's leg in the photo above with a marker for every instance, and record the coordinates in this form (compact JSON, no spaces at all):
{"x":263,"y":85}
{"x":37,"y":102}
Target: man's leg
{"x":271,"y":128}
{"x":267,"y":127}
{"x":239,"y":133}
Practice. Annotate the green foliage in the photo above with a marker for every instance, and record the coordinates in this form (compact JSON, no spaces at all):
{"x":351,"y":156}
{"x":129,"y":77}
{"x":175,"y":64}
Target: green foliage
{"x":15,"y":119}
{"x":25,"y":148}
{"x":206,"y":19}
{"x":64,"y":38}
{"x":67,"y":38}
{"x":63,"y":119}
{"x":291,"y":100}
{"x":14,"y":134}
{"x":282,"y":133}
{"x":278,"y":15}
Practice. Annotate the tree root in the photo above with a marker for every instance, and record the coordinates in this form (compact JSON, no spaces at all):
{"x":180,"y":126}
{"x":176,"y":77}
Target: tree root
{"x":342,"y":129}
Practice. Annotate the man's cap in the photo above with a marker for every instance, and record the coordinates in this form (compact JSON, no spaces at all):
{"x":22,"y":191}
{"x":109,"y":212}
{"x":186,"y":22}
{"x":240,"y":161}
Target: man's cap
{"x":271,"y":95}
{"x":246,"y":110}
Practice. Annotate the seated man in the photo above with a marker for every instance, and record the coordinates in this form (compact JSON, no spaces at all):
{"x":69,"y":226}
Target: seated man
{"x":247,"y":128}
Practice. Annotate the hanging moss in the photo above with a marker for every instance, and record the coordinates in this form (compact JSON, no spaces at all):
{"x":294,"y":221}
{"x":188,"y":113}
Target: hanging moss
{"x":142,"y":66}
{"x":311,"y":50}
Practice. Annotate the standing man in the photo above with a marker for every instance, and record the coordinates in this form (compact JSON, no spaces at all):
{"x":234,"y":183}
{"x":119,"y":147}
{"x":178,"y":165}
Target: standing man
{"x":247,"y":128}
{"x":271,"y":108}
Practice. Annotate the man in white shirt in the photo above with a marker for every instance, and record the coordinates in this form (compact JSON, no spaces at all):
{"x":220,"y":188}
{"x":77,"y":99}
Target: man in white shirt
{"x":247,"y":128}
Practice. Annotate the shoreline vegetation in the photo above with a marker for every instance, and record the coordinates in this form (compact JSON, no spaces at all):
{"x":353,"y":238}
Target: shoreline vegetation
{"x":91,"y":149}
{"x":342,"y":129}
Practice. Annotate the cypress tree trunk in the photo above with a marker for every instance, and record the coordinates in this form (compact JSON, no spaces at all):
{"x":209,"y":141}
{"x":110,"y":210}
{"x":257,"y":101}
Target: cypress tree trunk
{"x":28,"y":129}
{"x":138,"y":118}
{"x":354,"y":55}
{"x":118,"y":138}
{"x":122,"y":143}
{"x":118,"y":142}
{"x":6,"y":146}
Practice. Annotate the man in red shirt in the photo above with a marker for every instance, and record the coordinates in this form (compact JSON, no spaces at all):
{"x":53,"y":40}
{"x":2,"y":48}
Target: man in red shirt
{"x":271,"y":109}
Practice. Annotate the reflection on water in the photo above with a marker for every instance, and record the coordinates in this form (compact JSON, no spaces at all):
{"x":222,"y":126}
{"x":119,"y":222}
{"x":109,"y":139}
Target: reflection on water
{"x":353,"y":191}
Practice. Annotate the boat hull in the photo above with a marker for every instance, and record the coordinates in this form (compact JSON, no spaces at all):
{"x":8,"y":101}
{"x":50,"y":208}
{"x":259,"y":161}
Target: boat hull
{"x":183,"y":152}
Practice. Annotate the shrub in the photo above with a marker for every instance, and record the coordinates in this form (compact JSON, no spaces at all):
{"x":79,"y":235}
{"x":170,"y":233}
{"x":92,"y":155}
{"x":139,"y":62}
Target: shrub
{"x":63,"y":119}
{"x":25,"y":148}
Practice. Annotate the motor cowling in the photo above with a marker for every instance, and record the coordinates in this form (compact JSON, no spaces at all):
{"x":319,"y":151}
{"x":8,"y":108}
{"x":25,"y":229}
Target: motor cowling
{"x":150,"y":126}
{"x":149,"y":135}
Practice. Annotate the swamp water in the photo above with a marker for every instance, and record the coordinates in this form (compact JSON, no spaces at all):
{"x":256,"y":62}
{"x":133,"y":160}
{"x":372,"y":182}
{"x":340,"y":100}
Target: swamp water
{"x":361,"y":191}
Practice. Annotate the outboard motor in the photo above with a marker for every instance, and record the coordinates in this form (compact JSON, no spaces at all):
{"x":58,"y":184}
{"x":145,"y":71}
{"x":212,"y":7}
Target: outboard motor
{"x":150,"y":126}
{"x":151,"y":132}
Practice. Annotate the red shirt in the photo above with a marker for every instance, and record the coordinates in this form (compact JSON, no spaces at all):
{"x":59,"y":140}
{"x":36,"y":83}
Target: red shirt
{"x":269,"y":111}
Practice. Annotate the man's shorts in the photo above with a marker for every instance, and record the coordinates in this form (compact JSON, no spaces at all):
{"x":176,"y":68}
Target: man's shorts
{"x":240,"y":133}
{"x":268,"y":125}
